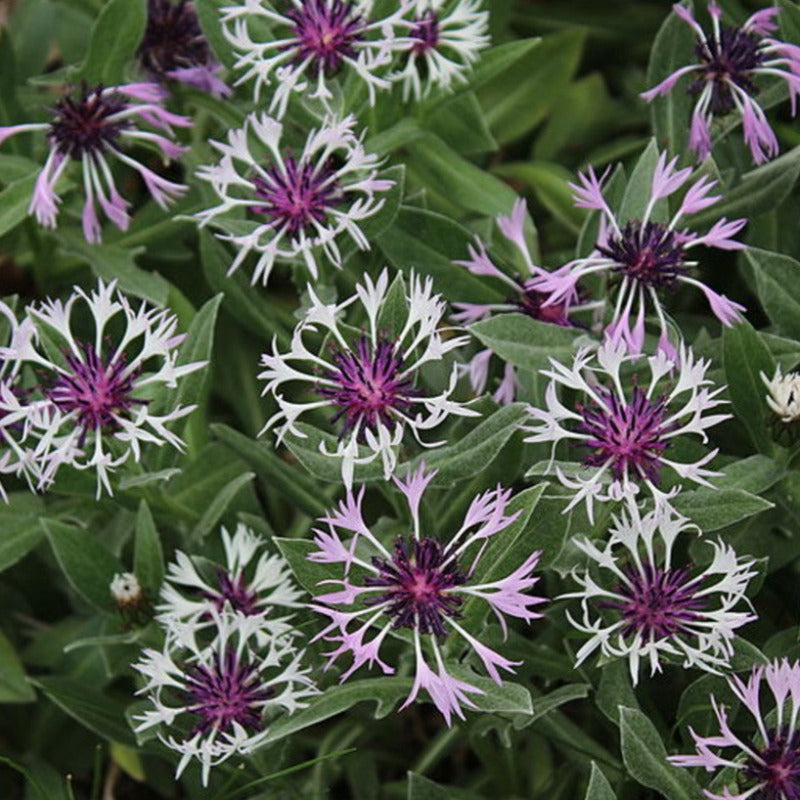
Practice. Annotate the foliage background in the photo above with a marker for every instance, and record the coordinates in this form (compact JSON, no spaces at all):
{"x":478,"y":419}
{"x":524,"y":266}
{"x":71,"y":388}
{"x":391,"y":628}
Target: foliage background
{"x":533,"y":115}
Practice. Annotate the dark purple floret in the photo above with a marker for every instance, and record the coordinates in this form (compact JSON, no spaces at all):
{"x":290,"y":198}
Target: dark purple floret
{"x":95,"y":391}
{"x":631,"y":436}
{"x":648,"y":253}
{"x":299,"y":196}
{"x":417,"y":581}
{"x":732,"y":61}
{"x":226,"y":693}
{"x":326,"y":32}
{"x":425,"y":33}
{"x":371,"y":388}
{"x":235,"y":593}
{"x":533,"y":303}
{"x":173,"y":38}
{"x":779,"y":770}
{"x":85,"y":123}
{"x":659,"y":602}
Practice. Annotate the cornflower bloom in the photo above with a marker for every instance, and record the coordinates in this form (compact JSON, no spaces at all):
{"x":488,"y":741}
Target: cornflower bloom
{"x":301,"y":205}
{"x":251,"y":582}
{"x":90,"y":126}
{"x":174,"y":47}
{"x":627,"y":431}
{"x":764,"y":764}
{"x":638,"y":605}
{"x":210,"y":702}
{"x":313,"y":41}
{"x":370,"y":378}
{"x":444,"y":41}
{"x":730,"y":61}
{"x":421,"y":586}
{"x":523,"y":298}
{"x":648,"y":255}
{"x":98,"y":392}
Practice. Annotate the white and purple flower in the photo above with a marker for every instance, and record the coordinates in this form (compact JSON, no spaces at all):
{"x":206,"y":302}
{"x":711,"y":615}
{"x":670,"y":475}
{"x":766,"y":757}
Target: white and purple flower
{"x":627,"y":432}
{"x":312,"y":41}
{"x":251,"y":582}
{"x":92,"y":126}
{"x":174,"y":47}
{"x":96,"y":392}
{"x":210,"y":702}
{"x":640,"y":606}
{"x":444,"y":41}
{"x":647,"y":256}
{"x":369,"y":380}
{"x":421,"y":586}
{"x":730,"y":62}
{"x":763,"y":764}
{"x":298,"y":206}
{"x":523,"y":298}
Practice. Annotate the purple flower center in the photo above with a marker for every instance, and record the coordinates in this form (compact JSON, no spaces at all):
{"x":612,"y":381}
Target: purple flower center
{"x":371,"y":389}
{"x":96,"y":392}
{"x":173,"y":38}
{"x":778,"y":772}
{"x":418,"y":581}
{"x":646,"y":252}
{"x":226,"y":693}
{"x":234,"y":592}
{"x":86,"y":123}
{"x":299,"y":197}
{"x":729,"y":62}
{"x":659,"y":602}
{"x":630,"y":436}
{"x":532,"y":302}
{"x":326,"y":32}
{"x":425,"y":33}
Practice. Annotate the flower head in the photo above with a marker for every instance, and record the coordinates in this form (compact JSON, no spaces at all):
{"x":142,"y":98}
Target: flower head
{"x":724,"y":78}
{"x":641,"y":606}
{"x":251,"y":582}
{"x":420,"y":585}
{"x":97,"y":392}
{"x":91,"y":126}
{"x":522,"y":298}
{"x":313,"y":41}
{"x":444,"y":40}
{"x":764,"y":764}
{"x":647,"y":257}
{"x":626,"y":433}
{"x":174,"y":47}
{"x":371,"y":379}
{"x":210,"y":701}
{"x":298,"y":206}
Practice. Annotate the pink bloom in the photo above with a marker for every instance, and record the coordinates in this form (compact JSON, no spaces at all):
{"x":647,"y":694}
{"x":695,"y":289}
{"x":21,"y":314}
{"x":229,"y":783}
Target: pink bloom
{"x":421,"y":585}
{"x":730,"y":62}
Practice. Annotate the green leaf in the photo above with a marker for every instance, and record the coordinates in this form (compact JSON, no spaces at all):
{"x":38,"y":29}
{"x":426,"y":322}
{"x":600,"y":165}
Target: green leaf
{"x":646,"y":759}
{"x":525,"y":342}
{"x":754,"y":474}
{"x":394,"y":309}
{"x":420,"y":788}
{"x":745,"y":357}
{"x":599,"y":788}
{"x":777,"y":279}
{"x":307,"y":573}
{"x":471,"y":188}
{"x":672,"y":49}
{"x":615,"y":690}
{"x":714,"y":510}
{"x":218,"y":506}
{"x":459,"y":122}
{"x":558,"y":697}
{"x":115,"y":38}
{"x":759,"y":190}
{"x":208,"y":14}
{"x":295,"y":486}
{"x":639,"y":188}
{"x":87,"y":564}
{"x":499,"y":58}
{"x":148,"y":555}
{"x":21,"y":530}
{"x":98,"y":712}
{"x":14,"y":202}
{"x":14,"y":686}
{"x":428,"y":243}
